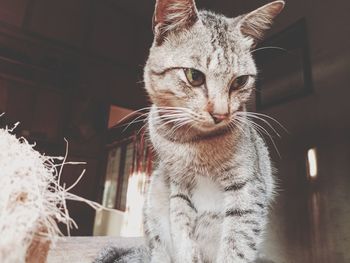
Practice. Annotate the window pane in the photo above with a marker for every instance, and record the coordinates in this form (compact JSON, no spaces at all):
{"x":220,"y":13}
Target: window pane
{"x":127,"y":169}
{"x":112,"y":174}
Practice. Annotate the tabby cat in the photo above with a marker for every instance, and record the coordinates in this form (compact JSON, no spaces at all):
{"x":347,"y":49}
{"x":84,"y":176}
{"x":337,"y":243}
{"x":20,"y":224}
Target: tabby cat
{"x":210,"y":192}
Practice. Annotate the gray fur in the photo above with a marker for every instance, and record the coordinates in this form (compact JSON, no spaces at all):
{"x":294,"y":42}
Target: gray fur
{"x":121,"y":255}
{"x":209,"y":195}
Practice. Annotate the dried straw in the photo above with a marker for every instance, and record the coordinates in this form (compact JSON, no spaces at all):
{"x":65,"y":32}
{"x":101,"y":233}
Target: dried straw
{"x":32,"y":199}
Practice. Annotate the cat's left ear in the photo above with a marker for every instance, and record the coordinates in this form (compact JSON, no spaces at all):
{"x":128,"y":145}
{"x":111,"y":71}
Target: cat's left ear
{"x":255,"y":23}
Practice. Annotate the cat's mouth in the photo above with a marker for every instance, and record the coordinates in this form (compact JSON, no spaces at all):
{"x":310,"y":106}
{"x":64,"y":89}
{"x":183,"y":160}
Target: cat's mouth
{"x":212,"y":125}
{"x":202,"y":125}
{"x":207,"y":126}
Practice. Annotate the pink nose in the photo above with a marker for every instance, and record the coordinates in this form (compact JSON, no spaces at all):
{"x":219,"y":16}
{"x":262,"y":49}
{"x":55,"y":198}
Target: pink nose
{"x":218,"y":117}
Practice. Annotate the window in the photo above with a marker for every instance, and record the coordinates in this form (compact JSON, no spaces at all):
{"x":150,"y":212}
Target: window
{"x":127,"y":159}
{"x":119,"y":164}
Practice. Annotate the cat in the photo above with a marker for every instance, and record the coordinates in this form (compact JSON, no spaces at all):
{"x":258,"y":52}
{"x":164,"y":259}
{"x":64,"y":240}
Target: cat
{"x":210,"y":192}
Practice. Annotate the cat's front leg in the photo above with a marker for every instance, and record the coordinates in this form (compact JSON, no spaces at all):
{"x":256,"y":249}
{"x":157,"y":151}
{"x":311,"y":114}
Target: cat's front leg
{"x":182,"y":219}
{"x":244,"y":219}
{"x":156,"y":219}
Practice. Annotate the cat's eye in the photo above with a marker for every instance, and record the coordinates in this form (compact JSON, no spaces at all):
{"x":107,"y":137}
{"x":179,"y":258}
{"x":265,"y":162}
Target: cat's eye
{"x":239,"y":82}
{"x":194,"y":77}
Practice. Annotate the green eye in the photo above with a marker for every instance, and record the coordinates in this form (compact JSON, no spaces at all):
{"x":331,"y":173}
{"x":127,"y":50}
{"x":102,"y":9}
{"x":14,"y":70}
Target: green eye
{"x":239,"y":82}
{"x":194,"y":77}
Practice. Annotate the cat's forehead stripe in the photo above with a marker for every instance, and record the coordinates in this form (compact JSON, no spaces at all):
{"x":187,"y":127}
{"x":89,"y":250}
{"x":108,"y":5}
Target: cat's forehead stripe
{"x":221,"y":45}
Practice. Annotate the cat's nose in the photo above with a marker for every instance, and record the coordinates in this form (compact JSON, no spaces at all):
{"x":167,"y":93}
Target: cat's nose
{"x":218,"y":117}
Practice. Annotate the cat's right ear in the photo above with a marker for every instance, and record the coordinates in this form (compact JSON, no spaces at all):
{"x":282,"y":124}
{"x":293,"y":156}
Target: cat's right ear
{"x":173,"y":15}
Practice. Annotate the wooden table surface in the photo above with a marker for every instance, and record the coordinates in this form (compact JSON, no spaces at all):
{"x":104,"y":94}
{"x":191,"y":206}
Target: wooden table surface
{"x":85,"y":249}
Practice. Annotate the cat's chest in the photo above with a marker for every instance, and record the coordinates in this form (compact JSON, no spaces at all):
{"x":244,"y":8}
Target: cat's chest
{"x":207,"y":195}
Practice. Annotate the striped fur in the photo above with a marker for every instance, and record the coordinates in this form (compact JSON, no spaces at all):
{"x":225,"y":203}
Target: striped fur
{"x":210,"y":192}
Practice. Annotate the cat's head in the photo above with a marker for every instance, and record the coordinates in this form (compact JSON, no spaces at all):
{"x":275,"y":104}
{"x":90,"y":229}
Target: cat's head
{"x":201,"y":65}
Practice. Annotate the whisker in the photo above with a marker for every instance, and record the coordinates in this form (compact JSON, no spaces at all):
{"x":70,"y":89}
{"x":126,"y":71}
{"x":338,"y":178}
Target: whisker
{"x":243,"y":122}
{"x":133,"y":121}
{"x":248,"y":115}
{"x":171,"y":118}
{"x":269,"y":47}
{"x":159,"y":109}
{"x":190,"y":127}
{"x":134,"y":112}
{"x":236,"y":124}
{"x":170,"y":121}
{"x":143,"y":127}
{"x":271,"y":118}
{"x":257,"y":127}
{"x":192,"y":113}
{"x":178,"y":126}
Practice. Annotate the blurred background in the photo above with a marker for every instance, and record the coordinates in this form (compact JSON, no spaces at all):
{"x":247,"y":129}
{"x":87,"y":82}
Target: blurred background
{"x":73,"y":69}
